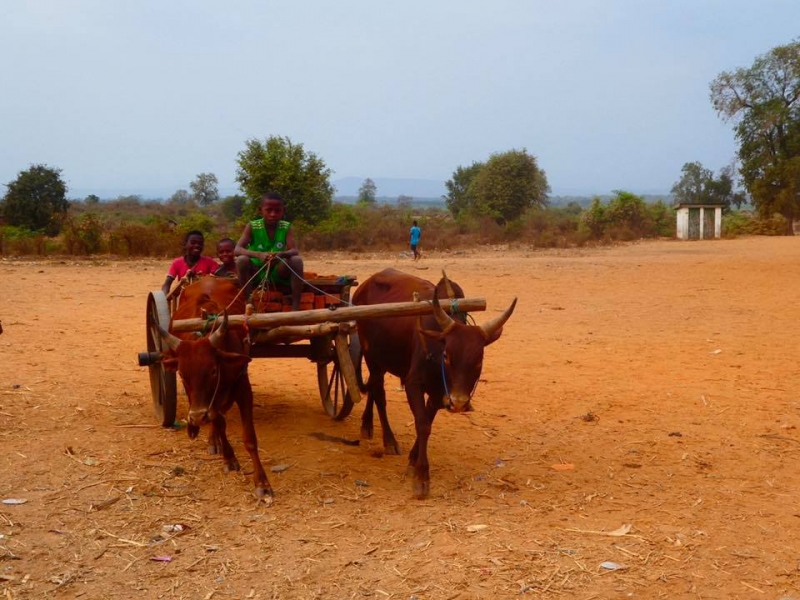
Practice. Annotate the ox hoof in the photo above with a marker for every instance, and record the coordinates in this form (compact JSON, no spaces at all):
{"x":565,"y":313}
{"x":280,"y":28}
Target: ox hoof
{"x":212,"y":449}
{"x":366,"y":434}
{"x":232,"y":465}
{"x":192,"y":430}
{"x":393,"y":449}
{"x":264,"y":494}
{"x":421,"y":489}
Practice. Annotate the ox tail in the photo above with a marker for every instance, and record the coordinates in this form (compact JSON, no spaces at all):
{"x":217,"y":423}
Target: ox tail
{"x":357,"y":356}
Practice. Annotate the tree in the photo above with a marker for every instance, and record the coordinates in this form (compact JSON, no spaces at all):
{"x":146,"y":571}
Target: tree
{"x":509,"y":184}
{"x":698,"y":185}
{"x":181,"y":200}
{"x":278,"y":165}
{"x":458,"y":198}
{"x":763,"y":101}
{"x":36,"y":200}
{"x":367,"y":192}
{"x":233,"y":206}
{"x":404,"y":202}
{"x":204,"y":189}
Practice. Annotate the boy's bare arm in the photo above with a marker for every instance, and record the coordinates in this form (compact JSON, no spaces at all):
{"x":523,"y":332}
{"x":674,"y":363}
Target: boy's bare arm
{"x":244,"y":241}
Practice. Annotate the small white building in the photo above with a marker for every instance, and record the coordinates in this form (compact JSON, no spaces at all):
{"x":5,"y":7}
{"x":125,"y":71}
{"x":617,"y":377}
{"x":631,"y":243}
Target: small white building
{"x":699,"y":221}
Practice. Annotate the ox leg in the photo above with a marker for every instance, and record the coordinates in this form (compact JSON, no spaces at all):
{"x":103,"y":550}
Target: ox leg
{"x":262,"y":486}
{"x":214,"y":442}
{"x":218,"y":427}
{"x":376,"y":396}
{"x":366,"y":416}
{"x":418,"y":465}
{"x":390,"y":445}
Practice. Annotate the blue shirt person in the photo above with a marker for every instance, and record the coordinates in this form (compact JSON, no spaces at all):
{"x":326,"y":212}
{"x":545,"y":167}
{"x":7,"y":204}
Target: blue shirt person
{"x":415,"y":232}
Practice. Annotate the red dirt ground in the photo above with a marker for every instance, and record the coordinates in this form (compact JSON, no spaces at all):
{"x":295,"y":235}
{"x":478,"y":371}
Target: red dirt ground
{"x":665,"y":373}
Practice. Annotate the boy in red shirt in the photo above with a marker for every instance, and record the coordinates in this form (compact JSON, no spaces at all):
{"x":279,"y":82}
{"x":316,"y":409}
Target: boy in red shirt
{"x":192,"y":262}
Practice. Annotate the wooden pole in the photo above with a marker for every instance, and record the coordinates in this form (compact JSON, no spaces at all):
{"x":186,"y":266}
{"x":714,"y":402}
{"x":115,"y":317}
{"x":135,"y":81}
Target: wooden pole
{"x":339,"y":315}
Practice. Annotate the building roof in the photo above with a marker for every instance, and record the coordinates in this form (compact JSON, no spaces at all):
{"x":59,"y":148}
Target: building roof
{"x":678,"y":205}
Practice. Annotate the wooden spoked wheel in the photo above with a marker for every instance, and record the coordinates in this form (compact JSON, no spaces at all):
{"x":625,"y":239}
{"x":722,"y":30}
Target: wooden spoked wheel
{"x":163,"y":385}
{"x":336,"y":376}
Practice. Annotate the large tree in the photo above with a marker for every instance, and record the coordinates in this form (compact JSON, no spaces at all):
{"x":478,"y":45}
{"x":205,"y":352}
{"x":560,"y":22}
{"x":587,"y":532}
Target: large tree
{"x":458,"y":198}
{"x":368,"y":192}
{"x":763,"y":101}
{"x":698,"y":185}
{"x":36,"y":200}
{"x":279,"y":165}
{"x":204,"y":189}
{"x":509,"y":184}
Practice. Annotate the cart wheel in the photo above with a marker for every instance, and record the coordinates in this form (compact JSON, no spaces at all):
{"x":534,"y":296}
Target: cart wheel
{"x":332,"y":376}
{"x":163,"y":385}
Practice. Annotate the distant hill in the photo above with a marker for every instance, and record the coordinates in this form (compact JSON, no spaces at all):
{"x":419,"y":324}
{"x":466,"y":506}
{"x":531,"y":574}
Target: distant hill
{"x":392,"y":187}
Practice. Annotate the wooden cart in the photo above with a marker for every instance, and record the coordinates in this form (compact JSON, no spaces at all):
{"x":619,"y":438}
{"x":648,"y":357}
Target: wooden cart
{"x":325,"y":336}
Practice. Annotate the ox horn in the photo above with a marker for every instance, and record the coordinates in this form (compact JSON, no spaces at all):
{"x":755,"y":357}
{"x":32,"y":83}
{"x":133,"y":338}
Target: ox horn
{"x":444,"y":320}
{"x":450,"y":293}
{"x":170,"y":340}
{"x":217,"y":339}
{"x":491,"y":328}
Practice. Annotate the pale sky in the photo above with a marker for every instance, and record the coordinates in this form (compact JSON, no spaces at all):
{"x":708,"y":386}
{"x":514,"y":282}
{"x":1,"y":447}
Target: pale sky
{"x":139,"y":97}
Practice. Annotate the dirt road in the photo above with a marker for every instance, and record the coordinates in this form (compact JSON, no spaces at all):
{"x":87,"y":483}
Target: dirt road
{"x":640,"y":411}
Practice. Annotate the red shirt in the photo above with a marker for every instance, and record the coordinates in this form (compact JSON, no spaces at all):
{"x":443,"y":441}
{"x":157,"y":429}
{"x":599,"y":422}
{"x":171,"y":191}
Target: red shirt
{"x":205,"y":266}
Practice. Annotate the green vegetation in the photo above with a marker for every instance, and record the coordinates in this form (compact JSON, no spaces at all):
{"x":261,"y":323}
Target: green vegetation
{"x":279,"y":165}
{"x":367,"y":192}
{"x":763,"y":102}
{"x":501,"y":189}
{"x":36,"y":200}
{"x":502,"y":200}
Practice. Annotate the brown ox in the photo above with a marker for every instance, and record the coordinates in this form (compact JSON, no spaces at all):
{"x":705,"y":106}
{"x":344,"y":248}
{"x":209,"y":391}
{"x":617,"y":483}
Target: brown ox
{"x":434,"y":355}
{"x":214,"y":372}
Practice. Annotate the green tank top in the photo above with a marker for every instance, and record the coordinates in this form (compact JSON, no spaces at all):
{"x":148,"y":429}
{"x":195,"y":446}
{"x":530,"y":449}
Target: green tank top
{"x":261,"y":242}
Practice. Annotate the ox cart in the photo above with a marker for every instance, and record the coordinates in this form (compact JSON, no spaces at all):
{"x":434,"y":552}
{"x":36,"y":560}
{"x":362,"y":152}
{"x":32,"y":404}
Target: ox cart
{"x":325,"y":336}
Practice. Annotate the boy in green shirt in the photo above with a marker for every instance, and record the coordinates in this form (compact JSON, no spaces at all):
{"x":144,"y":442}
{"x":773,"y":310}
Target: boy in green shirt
{"x":270,"y":241}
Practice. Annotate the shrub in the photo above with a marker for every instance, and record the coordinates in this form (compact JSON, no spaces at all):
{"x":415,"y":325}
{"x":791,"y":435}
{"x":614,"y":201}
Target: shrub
{"x":84,"y":235}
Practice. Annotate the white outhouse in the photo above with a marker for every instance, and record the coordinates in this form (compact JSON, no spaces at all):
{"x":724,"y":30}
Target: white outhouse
{"x":699,"y":221}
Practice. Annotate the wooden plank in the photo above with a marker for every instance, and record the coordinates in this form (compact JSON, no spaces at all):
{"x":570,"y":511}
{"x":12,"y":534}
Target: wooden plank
{"x":283,"y":332}
{"x":338,"y":315}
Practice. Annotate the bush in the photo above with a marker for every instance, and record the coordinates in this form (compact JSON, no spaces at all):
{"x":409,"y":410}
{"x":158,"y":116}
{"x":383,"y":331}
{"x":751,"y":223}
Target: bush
{"x":138,"y":239}
{"x":746,"y":223}
{"x":21,"y":241}
{"x":84,"y":236}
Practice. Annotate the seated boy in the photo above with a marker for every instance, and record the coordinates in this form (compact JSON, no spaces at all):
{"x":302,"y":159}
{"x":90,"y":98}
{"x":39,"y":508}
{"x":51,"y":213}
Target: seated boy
{"x":267,"y":249}
{"x":225,"y":249}
{"x":192,"y":262}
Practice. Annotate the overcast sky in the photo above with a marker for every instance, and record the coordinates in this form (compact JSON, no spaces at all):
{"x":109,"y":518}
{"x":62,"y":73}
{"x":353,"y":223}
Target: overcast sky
{"x":139,"y":97}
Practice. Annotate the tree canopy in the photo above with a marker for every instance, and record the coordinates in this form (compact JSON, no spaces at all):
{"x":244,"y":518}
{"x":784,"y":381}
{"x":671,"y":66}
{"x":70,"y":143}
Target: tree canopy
{"x":503,"y":188}
{"x":279,"y":165}
{"x":698,"y":185}
{"x":204,"y":189}
{"x":368,"y":192}
{"x":458,"y":198}
{"x":36,"y":200}
{"x":763,"y":101}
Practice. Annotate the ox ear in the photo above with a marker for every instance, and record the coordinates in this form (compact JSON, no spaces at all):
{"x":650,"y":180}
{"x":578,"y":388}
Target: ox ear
{"x":494,"y":328}
{"x":170,"y":363}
